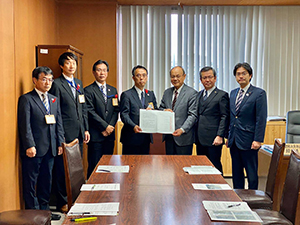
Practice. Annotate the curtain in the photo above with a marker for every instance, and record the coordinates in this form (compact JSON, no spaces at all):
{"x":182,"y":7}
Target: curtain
{"x":160,"y":37}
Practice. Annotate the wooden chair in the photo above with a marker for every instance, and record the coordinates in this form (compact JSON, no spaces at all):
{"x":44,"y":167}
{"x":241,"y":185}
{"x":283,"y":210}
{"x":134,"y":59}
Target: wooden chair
{"x":289,"y":208}
{"x":73,"y":170}
{"x":257,"y":199}
{"x":29,"y":216}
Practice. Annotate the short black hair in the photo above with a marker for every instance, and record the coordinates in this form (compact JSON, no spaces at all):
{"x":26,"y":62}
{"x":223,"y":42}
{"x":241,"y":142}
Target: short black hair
{"x":245,"y":65}
{"x":41,"y":69}
{"x":179,"y":67}
{"x":66,"y":56}
{"x":138,"y":67}
{"x":207,"y":68}
{"x":100,"y":62}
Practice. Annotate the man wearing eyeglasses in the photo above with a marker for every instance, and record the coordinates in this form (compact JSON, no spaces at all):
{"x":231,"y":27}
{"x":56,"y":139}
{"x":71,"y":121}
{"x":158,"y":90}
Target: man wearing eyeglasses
{"x":180,"y":99}
{"x":103,"y":110}
{"x":132,"y":100}
{"x":248,"y":117}
{"x":41,"y":135}
{"x":213,"y":118}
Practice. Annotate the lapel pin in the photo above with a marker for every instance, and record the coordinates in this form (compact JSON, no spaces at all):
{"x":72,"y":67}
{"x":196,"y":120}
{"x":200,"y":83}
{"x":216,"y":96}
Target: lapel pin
{"x":247,"y":94}
{"x":108,"y":89}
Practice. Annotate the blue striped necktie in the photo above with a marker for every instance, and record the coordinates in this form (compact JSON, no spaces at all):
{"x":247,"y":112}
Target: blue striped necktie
{"x":239,"y":100}
{"x":46,"y":104}
{"x":205,"y":95}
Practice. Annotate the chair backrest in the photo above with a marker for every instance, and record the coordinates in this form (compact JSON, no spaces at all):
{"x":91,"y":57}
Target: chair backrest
{"x":276,"y":159}
{"x":290,"y":194}
{"x":293,"y":127}
{"x":73,"y":170}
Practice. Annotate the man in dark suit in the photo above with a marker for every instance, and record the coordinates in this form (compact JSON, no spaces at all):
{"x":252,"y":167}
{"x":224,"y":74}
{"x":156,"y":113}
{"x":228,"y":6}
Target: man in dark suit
{"x":103,"y":109}
{"x":213,"y":118}
{"x":70,"y":93}
{"x":180,"y":99}
{"x":132,"y":100}
{"x":248,"y":116}
{"x":41,"y":134}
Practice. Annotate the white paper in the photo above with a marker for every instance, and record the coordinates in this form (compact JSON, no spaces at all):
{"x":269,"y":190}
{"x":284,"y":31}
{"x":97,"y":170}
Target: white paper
{"x":226,"y":205}
{"x":157,"y":121}
{"x":197,"y":186}
{"x":100,"y":187}
{"x":225,"y":215}
{"x":97,"y":209}
{"x":112,"y":169}
{"x":196,"y":170}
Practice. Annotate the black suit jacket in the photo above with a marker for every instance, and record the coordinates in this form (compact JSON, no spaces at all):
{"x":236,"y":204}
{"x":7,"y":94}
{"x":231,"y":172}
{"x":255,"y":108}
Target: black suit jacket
{"x":74,"y":114}
{"x":130,"y":106}
{"x":101,"y":114}
{"x":213,"y":116}
{"x":33,"y":130}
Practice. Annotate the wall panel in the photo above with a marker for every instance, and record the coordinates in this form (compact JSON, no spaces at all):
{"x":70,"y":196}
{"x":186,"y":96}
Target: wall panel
{"x":92,"y":29}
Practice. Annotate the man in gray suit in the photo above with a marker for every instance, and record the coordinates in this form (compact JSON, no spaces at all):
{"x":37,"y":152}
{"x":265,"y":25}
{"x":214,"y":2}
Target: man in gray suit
{"x":180,"y":99}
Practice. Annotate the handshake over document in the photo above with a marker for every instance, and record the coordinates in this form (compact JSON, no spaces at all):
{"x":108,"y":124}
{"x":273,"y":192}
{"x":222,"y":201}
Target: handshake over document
{"x":156,"y":121}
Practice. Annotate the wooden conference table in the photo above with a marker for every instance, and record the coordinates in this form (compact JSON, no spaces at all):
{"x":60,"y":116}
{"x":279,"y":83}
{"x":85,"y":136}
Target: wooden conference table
{"x":156,"y":191}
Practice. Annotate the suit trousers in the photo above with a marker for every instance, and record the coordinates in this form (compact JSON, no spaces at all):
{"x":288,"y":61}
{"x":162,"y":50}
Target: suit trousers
{"x":213,"y":153}
{"x":241,"y":159}
{"x":142,"y":149}
{"x":173,"y":149}
{"x":37,"y":177}
{"x":95,"y":152}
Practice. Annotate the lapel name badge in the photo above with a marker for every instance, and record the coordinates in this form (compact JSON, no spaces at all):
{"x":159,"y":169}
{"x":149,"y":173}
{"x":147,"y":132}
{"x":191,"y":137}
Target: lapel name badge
{"x":81,"y":98}
{"x":50,"y":119}
{"x":115,"y":102}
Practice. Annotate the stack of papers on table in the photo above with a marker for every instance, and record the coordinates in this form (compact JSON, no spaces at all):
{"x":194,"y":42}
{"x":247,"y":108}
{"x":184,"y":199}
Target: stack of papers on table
{"x":95,"y":209}
{"x":197,"y":186}
{"x":112,"y":169}
{"x":230,"y":211}
{"x":194,"y":170}
{"x":100,"y":187}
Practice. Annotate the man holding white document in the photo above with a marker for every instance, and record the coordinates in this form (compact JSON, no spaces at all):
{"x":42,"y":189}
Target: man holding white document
{"x":134,"y":142}
{"x":180,"y":99}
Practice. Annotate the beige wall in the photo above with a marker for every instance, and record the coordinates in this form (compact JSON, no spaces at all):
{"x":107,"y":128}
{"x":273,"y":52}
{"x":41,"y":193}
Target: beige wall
{"x":92,"y":29}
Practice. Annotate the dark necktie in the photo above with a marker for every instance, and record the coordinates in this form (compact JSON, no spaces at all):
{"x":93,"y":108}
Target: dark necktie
{"x":239,"y":100}
{"x":205,"y":95}
{"x":142,"y":99}
{"x":46,"y":104}
{"x":104,"y":95}
{"x":174,"y":100}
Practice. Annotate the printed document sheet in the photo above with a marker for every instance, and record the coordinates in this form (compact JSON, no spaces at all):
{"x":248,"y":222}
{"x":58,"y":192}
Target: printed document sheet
{"x":156,"y":121}
{"x":196,"y":170}
{"x":100,"y":187}
{"x":97,"y":209}
{"x":197,"y":186}
{"x":112,"y":169}
{"x":230,"y":211}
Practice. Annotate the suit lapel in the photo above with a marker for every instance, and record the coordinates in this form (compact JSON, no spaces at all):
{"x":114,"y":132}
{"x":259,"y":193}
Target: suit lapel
{"x":232,"y":100}
{"x":98,"y":92}
{"x":180,"y":97}
{"x":245,"y":99}
{"x":52,"y":103}
{"x":66,"y":86}
{"x":38,"y":101}
{"x":136,"y":97}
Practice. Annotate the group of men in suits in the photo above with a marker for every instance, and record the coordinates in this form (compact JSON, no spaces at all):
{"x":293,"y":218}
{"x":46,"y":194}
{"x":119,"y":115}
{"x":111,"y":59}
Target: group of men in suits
{"x":61,"y":110}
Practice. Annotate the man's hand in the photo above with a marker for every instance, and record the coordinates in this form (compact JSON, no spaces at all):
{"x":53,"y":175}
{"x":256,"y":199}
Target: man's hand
{"x":86,"y":137}
{"x":109,"y":129}
{"x":218,"y":141}
{"x":177,"y":132}
{"x":137,"y":129}
{"x":169,"y":110}
{"x":255,"y":145}
{"x":105,"y":133}
{"x":60,"y":150}
{"x":31,"y":152}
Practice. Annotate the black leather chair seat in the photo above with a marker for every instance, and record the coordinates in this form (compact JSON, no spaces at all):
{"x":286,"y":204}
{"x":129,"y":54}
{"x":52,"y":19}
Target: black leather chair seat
{"x":272,"y":217}
{"x":256,"y":199}
{"x":25,"y":217}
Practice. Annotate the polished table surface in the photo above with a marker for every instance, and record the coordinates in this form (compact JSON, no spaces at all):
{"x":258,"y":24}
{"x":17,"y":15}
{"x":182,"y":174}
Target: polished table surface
{"x":156,"y":191}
